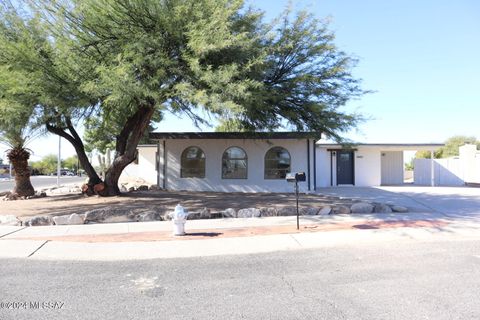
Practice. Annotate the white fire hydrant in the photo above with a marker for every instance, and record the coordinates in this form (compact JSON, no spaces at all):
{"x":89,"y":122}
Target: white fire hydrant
{"x":179,"y":218}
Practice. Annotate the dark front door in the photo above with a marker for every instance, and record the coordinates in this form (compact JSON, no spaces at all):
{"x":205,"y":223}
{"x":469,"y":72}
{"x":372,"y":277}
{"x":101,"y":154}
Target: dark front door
{"x":344,"y":167}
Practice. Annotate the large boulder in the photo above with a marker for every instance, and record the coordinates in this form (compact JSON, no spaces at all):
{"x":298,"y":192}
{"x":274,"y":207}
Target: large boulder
{"x":361,"y":207}
{"x":268,"y":212}
{"x":325,"y":211}
{"x":287,"y":211}
{"x":342,"y":210}
{"x":73,"y":218}
{"x":248,"y":213}
{"x":39,"y":221}
{"x":149,"y":215}
{"x":108,"y":215}
{"x":4,"y":193}
{"x":309,"y":211}
{"x":399,"y":209}
{"x":205,"y":213}
{"x":229,"y":213}
{"x":95,"y":215}
{"x":9,"y":220}
{"x":382,"y":208}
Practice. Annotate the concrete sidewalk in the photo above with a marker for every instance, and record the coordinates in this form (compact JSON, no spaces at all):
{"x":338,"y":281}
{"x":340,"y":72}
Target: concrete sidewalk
{"x":147,"y":240}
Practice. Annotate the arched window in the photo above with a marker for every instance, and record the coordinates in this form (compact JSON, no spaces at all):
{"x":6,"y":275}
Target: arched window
{"x":277,"y":163}
{"x":234,"y":164}
{"x":192,"y":163}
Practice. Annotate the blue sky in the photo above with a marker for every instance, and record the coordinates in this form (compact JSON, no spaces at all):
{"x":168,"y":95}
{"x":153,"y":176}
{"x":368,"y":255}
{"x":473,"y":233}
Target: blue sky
{"x":421,"y":59}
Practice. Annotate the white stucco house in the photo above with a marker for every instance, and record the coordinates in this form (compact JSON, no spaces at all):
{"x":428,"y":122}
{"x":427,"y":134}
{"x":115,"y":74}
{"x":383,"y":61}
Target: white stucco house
{"x":259,"y":161}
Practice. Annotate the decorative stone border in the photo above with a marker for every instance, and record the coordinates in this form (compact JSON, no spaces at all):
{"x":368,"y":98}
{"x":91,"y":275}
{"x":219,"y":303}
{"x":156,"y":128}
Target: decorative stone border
{"x":122,"y":214}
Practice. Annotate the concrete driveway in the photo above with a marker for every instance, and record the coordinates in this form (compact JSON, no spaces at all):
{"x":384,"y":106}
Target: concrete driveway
{"x":452,"y":202}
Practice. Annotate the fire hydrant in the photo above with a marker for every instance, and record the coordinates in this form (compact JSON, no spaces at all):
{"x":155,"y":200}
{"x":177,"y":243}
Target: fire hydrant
{"x":179,"y":218}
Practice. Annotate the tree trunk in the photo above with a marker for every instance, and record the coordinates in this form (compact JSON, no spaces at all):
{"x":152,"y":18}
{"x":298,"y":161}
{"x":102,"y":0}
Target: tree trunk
{"x":77,"y":143}
{"x":126,"y":147}
{"x":18,"y":157}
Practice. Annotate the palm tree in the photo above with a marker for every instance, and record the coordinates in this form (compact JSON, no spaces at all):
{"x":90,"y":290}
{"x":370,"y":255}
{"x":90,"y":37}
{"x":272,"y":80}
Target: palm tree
{"x":16,"y":137}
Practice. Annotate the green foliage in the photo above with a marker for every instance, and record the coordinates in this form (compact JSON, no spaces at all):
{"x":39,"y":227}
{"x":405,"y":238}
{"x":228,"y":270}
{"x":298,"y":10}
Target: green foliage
{"x":304,"y":80}
{"x":410,"y":165}
{"x":46,"y":166}
{"x":426,"y":154}
{"x":70,"y":163}
{"x":453,"y":143}
{"x":230,"y":125}
{"x":111,"y":62}
{"x":451,"y":147}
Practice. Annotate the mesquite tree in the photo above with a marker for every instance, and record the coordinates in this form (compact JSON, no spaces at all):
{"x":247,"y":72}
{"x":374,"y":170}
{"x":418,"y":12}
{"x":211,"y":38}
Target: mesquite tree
{"x":122,"y":63}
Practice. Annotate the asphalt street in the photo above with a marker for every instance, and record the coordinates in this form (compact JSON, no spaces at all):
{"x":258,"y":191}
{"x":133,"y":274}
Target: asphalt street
{"x":39,"y":182}
{"x":389,"y":280}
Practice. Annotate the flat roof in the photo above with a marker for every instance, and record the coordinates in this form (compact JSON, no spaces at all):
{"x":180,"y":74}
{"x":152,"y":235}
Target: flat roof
{"x":234,"y":135}
{"x":388,"y":146}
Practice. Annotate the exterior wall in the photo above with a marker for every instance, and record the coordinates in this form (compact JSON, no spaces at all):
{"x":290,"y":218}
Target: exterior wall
{"x":367,"y":165}
{"x":447,"y":172}
{"x":470,"y":158}
{"x":145,"y":169}
{"x":214,"y":149}
{"x":392,"y":167}
{"x":323,"y":167}
{"x":454,"y":171}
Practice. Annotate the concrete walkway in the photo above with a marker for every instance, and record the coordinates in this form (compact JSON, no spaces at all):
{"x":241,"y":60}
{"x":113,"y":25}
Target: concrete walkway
{"x":453,"y":202}
{"x":438,"y":214}
{"x":148,"y":240}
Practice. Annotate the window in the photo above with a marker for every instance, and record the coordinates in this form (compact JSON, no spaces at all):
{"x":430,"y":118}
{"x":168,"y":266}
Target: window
{"x":234,"y":164}
{"x":192,"y":163}
{"x":277,"y":163}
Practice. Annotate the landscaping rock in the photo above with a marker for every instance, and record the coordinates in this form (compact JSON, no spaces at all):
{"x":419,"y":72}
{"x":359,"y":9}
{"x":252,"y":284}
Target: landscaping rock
{"x":73,"y":218}
{"x":149,"y":216}
{"x":342,"y":210}
{"x":192,"y":216}
{"x":382,"y":208}
{"x":325,"y":211}
{"x":268,"y":212}
{"x":205,"y":214}
{"x":95,"y":215}
{"x":309,"y":211}
{"x":11,"y":197}
{"x":9,"y":220}
{"x":154,"y":187}
{"x":229,"y":213}
{"x":37,"y":195}
{"x":4,"y":193}
{"x":399,"y":209}
{"x":142,"y":188}
{"x":287,"y":211}
{"x":167,"y":216}
{"x":248,"y":213}
{"x":39,"y":221}
{"x":109,"y":215}
{"x":361,"y":207}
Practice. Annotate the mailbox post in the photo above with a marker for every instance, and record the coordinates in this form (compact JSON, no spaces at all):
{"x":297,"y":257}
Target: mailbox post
{"x":296,"y":178}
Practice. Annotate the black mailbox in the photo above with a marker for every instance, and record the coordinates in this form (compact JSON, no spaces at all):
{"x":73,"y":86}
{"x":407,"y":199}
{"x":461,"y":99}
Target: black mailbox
{"x":296,"y":177}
